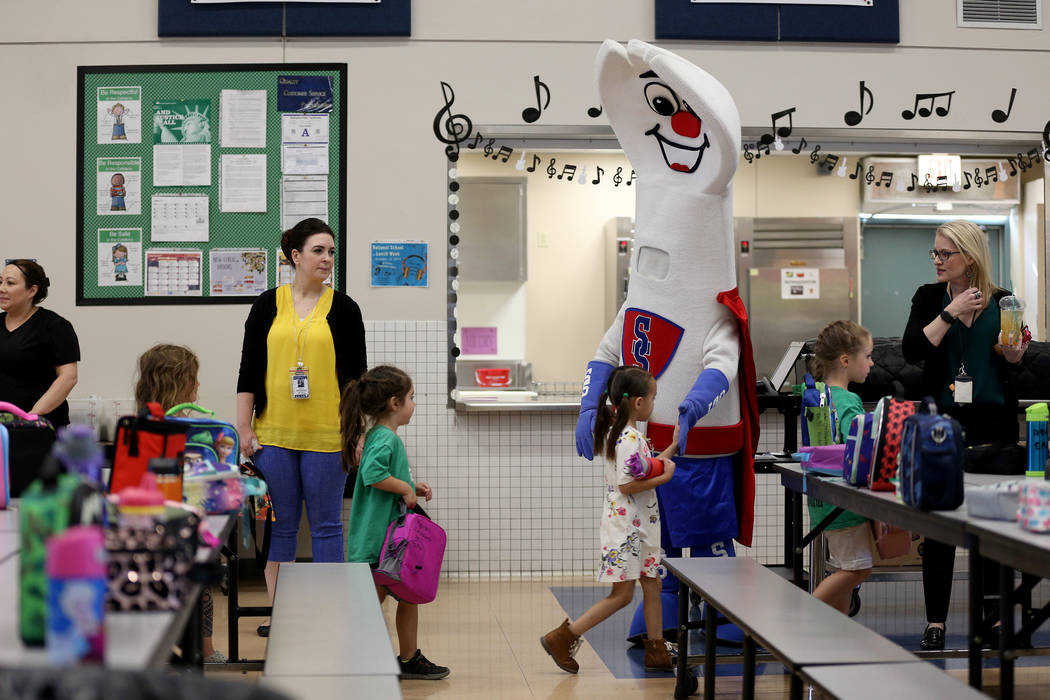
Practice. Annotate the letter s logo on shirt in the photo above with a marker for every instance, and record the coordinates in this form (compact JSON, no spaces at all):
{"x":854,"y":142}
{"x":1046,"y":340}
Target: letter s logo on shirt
{"x":649,"y":341}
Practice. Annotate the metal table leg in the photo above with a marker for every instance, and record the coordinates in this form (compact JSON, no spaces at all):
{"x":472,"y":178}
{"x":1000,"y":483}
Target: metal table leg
{"x":749,"y":668}
{"x":975,"y":617}
{"x":710,"y":649}
{"x":1006,"y":632}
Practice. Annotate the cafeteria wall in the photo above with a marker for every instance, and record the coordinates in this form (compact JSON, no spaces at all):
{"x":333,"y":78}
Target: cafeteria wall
{"x":515,"y":498}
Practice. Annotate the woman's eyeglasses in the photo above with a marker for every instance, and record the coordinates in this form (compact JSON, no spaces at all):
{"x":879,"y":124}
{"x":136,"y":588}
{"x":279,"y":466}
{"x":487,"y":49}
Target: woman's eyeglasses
{"x":942,"y":255}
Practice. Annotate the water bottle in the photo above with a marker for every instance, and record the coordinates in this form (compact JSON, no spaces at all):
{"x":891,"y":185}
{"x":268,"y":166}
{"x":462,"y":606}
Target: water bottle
{"x":1036,"y":421}
{"x":76,"y":596}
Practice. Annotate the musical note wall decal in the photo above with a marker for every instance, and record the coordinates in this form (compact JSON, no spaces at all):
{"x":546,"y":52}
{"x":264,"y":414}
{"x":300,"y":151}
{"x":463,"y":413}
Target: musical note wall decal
{"x":783,"y":131}
{"x":531,"y":114}
{"x":504,"y":151}
{"x":535,"y":162}
{"x":631,"y":180}
{"x":856,"y":171}
{"x":618,"y":177}
{"x":551,"y":170}
{"x":598,"y":177}
{"x":567,"y":171}
{"x":885,"y":179}
{"x":801,"y":145}
{"x":830,"y":161}
{"x":451,"y":128}
{"x":594,"y":112}
{"x":853,"y":118}
{"x":477,"y":139}
{"x":998,"y":115}
{"x":928,"y":109}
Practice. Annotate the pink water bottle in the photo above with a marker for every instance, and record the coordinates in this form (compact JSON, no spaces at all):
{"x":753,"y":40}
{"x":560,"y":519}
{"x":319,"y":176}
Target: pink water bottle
{"x":76,"y":596}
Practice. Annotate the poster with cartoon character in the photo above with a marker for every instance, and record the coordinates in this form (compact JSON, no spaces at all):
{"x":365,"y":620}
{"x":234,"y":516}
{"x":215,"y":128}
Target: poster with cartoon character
{"x":119,"y":111}
{"x":119,"y":185}
{"x":120,"y":257}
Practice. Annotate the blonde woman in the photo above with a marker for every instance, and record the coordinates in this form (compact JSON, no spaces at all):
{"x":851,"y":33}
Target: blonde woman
{"x":954,"y":329}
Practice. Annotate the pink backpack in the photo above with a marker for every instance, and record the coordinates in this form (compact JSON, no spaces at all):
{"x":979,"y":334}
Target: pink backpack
{"x":410,"y":561}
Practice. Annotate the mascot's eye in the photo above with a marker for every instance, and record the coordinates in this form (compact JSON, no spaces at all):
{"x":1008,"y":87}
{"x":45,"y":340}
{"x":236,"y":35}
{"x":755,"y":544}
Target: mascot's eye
{"x":661,"y":99}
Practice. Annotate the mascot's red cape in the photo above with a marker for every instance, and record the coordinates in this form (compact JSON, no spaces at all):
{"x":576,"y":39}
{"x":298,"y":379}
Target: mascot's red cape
{"x":744,"y":479}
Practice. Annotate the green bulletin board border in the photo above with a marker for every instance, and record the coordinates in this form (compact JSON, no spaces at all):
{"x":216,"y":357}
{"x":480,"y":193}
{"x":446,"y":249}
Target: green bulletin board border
{"x":86,"y":128}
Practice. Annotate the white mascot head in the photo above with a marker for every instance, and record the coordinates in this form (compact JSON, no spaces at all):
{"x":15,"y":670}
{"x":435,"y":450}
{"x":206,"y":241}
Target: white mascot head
{"x":678,"y":125}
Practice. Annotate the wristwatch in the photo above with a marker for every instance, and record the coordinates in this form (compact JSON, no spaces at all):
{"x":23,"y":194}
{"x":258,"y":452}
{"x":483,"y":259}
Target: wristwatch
{"x":947,"y":317}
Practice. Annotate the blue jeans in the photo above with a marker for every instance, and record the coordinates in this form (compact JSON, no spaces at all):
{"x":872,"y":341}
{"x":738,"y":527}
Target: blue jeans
{"x":293,"y":475}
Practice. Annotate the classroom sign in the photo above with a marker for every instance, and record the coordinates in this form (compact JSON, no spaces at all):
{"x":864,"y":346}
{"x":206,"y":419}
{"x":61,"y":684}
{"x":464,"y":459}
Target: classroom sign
{"x":399,"y":264}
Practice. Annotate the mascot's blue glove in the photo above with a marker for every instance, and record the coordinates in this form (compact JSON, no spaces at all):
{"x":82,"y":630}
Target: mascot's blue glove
{"x":594,"y":382}
{"x":710,"y":386}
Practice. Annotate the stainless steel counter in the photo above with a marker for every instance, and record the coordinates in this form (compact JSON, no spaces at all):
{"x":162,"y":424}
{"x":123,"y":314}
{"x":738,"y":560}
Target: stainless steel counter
{"x":556,"y":404}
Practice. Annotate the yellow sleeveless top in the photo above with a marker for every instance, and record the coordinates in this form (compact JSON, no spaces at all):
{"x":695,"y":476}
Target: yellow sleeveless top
{"x":300,"y":424}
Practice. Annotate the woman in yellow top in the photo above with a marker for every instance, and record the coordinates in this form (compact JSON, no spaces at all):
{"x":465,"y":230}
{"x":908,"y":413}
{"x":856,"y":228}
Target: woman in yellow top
{"x":303,"y":342}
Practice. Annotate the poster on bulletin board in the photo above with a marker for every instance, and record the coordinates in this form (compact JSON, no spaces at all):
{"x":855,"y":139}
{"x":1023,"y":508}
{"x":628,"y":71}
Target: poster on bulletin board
{"x":188,"y":174}
{"x":399,"y":264}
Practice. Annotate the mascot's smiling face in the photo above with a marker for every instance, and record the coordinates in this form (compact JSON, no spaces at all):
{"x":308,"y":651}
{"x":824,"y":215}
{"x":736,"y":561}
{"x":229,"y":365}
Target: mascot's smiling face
{"x":678,"y":125}
{"x":677,"y":149}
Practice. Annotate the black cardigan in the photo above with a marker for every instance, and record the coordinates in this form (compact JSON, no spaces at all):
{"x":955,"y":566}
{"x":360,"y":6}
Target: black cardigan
{"x":927,"y":303}
{"x":348,"y":336}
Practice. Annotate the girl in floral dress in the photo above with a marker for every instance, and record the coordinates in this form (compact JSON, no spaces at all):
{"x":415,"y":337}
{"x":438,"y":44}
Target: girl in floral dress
{"x":630,"y":525}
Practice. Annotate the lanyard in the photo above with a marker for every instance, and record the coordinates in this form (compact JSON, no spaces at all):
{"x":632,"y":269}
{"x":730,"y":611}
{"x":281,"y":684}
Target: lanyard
{"x":300,"y":347}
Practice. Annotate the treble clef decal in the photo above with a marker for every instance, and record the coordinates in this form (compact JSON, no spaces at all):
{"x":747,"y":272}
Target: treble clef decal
{"x":451,"y":128}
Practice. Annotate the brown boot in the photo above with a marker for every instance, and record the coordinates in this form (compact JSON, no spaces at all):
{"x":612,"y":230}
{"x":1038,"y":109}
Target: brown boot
{"x":562,"y":644}
{"x":657,"y":658}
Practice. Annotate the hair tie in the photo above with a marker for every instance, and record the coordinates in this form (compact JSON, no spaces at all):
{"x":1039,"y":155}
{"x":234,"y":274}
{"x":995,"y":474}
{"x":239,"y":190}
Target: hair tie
{"x":625,"y":394}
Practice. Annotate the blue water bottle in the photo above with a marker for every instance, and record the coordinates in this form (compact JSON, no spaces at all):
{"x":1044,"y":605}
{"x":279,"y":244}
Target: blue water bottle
{"x":1036,"y":421}
{"x":76,"y":596}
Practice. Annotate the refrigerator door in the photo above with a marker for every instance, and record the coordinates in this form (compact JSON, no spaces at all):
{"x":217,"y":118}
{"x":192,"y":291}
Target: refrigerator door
{"x":787,"y":304}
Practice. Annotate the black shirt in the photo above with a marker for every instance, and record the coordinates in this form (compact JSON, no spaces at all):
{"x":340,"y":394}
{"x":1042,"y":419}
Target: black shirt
{"x":983,"y":422}
{"x":28,"y":357}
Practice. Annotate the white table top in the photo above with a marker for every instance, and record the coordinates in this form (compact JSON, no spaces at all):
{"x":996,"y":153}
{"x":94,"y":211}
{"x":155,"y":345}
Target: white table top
{"x":9,"y":518}
{"x":327,"y":622}
{"x":134,"y":640}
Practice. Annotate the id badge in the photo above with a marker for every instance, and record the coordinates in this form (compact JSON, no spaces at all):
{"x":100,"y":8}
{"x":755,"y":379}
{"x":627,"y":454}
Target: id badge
{"x":963,"y":389}
{"x":300,"y":382}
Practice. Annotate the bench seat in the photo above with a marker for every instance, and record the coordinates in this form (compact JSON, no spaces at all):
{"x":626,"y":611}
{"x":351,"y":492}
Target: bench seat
{"x":328,"y":629}
{"x":880,"y":681}
{"x":792,"y":625}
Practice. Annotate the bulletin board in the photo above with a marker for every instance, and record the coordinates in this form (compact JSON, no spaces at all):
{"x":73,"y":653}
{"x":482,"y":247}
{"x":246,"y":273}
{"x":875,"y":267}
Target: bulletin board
{"x":188,"y":174}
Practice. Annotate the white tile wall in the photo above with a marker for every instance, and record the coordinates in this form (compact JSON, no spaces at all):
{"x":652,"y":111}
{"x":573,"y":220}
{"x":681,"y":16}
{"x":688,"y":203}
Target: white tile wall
{"x":509,"y":488}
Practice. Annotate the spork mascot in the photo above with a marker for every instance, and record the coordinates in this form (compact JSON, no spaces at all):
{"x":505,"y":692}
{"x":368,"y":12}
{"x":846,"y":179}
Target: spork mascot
{"x":683,"y":320}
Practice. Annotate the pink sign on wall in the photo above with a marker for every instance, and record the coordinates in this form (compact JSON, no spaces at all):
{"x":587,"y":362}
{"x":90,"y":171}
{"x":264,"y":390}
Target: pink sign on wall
{"x":478,"y":340}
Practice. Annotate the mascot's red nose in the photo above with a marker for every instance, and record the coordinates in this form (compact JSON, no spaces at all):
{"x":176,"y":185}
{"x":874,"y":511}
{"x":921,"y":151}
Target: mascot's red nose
{"x":685,"y":124}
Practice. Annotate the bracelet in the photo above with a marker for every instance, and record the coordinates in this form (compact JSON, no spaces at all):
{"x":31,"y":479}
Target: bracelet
{"x":947,"y":317}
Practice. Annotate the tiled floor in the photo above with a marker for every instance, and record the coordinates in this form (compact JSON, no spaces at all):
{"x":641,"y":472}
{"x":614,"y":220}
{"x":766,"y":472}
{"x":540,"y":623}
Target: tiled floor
{"x":488,"y":633}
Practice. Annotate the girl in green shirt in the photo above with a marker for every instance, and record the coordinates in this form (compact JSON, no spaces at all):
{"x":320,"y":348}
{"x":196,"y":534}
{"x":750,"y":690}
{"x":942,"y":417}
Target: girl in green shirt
{"x":380,"y":402}
{"x":843,"y":355}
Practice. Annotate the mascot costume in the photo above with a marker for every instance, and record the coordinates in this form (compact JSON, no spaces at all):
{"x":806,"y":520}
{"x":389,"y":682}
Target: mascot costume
{"x":683,"y":320}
